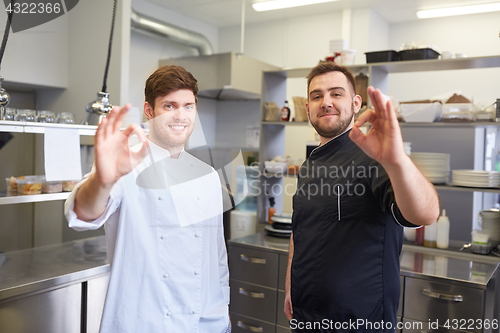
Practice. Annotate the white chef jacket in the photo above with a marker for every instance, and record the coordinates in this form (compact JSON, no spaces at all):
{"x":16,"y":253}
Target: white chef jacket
{"x":166,"y":248}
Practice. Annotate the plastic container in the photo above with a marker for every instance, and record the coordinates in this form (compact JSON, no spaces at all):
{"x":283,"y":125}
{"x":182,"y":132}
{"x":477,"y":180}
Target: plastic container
{"x":68,"y":185}
{"x":418,"y":54}
{"x":382,"y":56}
{"x":480,"y":242}
{"x":12,"y":182}
{"x":347,"y":57}
{"x":459,"y":117}
{"x":52,"y":187}
{"x":420,"y":112}
{"x":443,"y":231}
{"x":242,"y":223}
{"x":458,"y":107}
{"x":30,"y":186}
{"x":485,"y":115}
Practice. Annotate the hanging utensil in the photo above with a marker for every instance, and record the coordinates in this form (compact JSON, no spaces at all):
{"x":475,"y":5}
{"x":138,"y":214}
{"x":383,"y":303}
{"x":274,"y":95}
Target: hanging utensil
{"x":98,"y":109}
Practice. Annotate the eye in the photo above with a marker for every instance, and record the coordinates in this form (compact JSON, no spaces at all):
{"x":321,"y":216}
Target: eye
{"x":189,"y":107}
{"x":169,"y":106}
{"x":316,"y":97}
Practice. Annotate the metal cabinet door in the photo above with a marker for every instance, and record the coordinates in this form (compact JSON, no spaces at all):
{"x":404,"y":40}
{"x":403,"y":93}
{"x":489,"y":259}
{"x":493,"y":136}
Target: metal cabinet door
{"x":254,"y":266}
{"x":428,"y":300}
{"x":253,"y":301}
{"x":55,"y":311}
{"x":243,"y":324}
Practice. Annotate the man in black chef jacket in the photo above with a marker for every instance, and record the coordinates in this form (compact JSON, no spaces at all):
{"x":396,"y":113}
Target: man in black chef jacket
{"x":355,"y":193}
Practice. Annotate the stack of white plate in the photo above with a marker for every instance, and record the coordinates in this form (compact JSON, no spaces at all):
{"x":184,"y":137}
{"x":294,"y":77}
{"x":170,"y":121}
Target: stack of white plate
{"x":281,"y":227}
{"x":490,"y":222}
{"x":476,"y":178}
{"x":434,"y":166}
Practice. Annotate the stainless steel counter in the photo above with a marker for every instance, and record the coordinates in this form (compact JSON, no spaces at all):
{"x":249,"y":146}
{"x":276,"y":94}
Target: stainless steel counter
{"x":45,"y":267}
{"x":456,"y":268}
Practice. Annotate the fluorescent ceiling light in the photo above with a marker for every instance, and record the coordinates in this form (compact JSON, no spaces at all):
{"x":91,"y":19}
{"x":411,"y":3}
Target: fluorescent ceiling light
{"x":490,"y":7}
{"x":279,"y":4}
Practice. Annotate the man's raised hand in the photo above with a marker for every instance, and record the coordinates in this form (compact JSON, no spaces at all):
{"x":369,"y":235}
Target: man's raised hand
{"x":113,"y":157}
{"x":383,"y":142}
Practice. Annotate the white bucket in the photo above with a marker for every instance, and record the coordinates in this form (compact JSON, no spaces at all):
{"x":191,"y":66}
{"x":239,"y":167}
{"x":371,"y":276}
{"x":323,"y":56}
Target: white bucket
{"x":243,"y":223}
{"x":347,"y":57}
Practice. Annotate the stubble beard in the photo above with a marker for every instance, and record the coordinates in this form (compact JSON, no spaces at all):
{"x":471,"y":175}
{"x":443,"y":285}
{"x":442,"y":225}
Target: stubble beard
{"x":332,"y":131}
{"x":159,"y":136}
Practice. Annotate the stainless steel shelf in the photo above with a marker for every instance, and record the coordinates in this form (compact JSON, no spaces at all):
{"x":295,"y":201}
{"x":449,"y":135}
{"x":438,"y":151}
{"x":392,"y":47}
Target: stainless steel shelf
{"x":7,"y":198}
{"x":286,"y":123}
{"x":467,"y":189}
{"x":405,"y":66}
{"x":302,"y":72}
{"x":437,"y":64}
{"x":452,"y":124}
{"x":32,"y":127}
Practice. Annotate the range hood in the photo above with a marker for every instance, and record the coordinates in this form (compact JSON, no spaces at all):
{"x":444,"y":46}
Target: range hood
{"x":224,"y":76}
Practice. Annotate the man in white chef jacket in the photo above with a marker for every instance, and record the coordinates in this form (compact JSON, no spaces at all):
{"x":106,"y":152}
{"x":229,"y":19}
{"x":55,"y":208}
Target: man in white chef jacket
{"x":162,"y":213}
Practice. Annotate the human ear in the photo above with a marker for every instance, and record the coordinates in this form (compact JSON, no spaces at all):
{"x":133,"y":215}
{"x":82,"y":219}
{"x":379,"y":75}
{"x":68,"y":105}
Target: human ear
{"x":148,"y":111}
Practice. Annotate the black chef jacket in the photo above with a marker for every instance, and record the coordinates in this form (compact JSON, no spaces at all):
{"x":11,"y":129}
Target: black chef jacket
{"x":347,"y":234}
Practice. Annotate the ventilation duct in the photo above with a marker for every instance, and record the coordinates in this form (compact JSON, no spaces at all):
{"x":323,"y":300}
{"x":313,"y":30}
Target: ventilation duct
{"x":153,"y":26}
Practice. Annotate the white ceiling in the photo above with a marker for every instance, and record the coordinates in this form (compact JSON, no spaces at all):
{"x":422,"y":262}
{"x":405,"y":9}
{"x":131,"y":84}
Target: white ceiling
{"x":223,"y":13}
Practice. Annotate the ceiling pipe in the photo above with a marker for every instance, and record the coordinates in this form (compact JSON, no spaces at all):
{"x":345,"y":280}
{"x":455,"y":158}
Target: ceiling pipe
{"x":148,"y":24}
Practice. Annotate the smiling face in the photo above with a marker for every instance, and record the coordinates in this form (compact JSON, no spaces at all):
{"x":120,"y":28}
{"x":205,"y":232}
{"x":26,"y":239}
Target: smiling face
{"x":331,"y":104}
{"x":171,"y":122}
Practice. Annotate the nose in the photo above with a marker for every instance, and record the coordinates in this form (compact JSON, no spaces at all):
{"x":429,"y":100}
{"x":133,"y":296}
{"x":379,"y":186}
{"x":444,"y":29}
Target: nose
{"x":327,"y":103}
{"x":179,"y":114}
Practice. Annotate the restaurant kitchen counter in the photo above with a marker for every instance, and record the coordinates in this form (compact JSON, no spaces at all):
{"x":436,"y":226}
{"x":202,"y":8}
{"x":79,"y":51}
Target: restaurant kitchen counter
{"x":415,"y":261}
{"x":44,"y":267}
{"x":436,"y":286}
{"x":54,"y":288}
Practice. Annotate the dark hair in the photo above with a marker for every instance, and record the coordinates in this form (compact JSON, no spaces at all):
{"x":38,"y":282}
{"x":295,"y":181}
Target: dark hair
{"x":167,"y":79}
{"x":329,"y":66}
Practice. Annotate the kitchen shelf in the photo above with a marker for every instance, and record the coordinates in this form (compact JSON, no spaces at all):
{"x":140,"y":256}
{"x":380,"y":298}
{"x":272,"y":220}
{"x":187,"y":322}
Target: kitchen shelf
{"x":452,"y":124}
{"x":33,"y":127}
{"x":7,"y":198}
{"x":436,"y":64}
{"x":467,"y":189}
{"x":405,"y":66}
{"x":302,"y":72}
{"x":286,"y":123}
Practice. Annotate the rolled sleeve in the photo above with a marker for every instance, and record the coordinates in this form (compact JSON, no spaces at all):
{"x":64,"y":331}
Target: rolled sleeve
{"x":79,"y":225}
{"x":398,"y":217}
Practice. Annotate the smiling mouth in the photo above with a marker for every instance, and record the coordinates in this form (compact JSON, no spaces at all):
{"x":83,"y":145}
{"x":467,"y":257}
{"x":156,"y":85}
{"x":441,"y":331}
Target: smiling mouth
{"x":177,"y":128}
{"x":329,"y":115}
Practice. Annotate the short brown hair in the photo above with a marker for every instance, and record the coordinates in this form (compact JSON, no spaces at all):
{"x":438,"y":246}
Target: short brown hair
{"x":167,"y":79}
{"x":329,"y":66}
